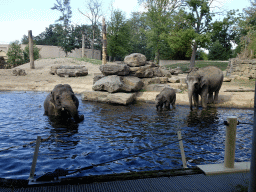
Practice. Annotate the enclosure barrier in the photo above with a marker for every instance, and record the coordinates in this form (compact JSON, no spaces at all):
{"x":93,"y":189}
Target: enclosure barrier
{"x":183,"y":157}
{"x":230,"y":143}
{"x":33,"y":166}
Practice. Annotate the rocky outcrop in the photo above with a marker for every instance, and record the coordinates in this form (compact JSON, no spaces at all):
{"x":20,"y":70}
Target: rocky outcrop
{"x":245,"y":68}
{"x":114,"y":83}
{"x":19,"y":72}
{"x":69,"y":71}
{"x":128,"y":76}
{"x":105,"y":97}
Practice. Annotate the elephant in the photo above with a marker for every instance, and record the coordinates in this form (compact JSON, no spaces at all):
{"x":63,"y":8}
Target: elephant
{"x":62,"y":102}
{"x":204,"y":82}
{"x":166,"y":97}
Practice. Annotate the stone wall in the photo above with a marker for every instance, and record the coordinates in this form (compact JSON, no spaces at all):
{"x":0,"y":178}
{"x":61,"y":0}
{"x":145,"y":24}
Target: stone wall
{"x":246,"y":68}
{"x":47,"y":51}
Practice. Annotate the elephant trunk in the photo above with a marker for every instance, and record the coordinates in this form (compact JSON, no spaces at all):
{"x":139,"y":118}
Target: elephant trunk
{"x":71,"y":109}
{"x":190,"y":93}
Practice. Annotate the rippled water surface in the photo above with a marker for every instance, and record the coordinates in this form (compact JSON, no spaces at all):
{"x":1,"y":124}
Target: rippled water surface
{"x":111,"y":132}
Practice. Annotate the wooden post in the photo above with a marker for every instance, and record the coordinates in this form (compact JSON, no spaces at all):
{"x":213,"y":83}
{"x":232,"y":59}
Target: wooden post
{"x":33,"y":166}
{"x":31,"y":50}
{"x":183,"y":157}
{"x":104,"y":47}
{"x":230,"y":143}
{"x":83,"y":36}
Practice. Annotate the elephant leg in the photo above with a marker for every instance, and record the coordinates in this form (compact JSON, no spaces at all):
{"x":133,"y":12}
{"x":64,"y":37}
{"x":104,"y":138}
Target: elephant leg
{"x":167,"y":105}
{"x":173,"y":102}
{"x":210,"y":98}
{"x":204,"y":99}
{"x":195,"y":98}
{"x":216,"y":95}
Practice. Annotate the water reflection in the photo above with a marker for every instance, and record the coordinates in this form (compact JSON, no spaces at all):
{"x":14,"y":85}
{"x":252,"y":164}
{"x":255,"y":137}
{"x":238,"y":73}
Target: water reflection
{"x":202,"y":118}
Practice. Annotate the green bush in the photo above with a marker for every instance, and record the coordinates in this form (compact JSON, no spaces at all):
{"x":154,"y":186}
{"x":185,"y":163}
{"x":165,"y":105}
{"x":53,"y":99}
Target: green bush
{"x":15,"y":54}
{"x":26,"y":53}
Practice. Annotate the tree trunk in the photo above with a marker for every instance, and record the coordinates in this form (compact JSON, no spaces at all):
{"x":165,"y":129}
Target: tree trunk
{"x":83,"y":37}
{"x":31,"y":50}
{"x":93,"y":34}
{"x":104,"y":46}
{"x":193,"y":57}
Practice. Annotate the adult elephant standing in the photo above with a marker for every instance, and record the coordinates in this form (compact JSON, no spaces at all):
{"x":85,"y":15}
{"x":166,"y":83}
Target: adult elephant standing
{"x":204,"y":81}
{"x":62,"y":102}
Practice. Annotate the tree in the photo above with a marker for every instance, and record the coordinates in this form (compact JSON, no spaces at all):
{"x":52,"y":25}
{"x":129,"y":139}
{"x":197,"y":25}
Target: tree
{"x":65,"y":9}
{"x":246,"y":38}
{"x":217,"y":51}
{"x":15,"y":54}
{"x":199,"y":17}
{"x":158,"y":21}
{"x":118,"y":35}
{"x":26,"y":53}
{"x":65,"y":39}
{"x":181,"y":36}
{"x":24,"y":39}
{"x":224,"y":32}
{"x":138,"y":39}
{"x":94,"y":7}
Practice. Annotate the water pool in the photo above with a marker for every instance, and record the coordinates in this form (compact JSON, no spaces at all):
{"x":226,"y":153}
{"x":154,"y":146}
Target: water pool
{"x":110,"y":132}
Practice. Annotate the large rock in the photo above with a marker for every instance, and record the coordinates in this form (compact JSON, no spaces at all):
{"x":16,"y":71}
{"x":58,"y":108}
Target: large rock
{"x":19,"y":72}
{"x":105,"y":97}
{"x":135,"y":60}
{"x":144,"y":72}
{"x":114,"y":83}
{"x":69,"y":71}
{"x":115,"y":69}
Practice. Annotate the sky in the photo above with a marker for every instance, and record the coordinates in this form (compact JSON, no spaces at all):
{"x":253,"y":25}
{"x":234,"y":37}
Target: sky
{"x":19,"y":16}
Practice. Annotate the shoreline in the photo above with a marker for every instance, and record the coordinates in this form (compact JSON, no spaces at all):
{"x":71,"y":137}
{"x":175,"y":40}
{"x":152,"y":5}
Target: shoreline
{"x":39,"y":79}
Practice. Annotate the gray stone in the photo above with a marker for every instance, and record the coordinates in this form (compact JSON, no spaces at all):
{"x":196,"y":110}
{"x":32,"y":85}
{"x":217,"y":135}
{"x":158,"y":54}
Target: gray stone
{"x":135,"y":60}
{"x":97,"y":77}
{"x":72,"y":72}
{"x":132,"y":84}
{"x":19,"y":72}
{"x":114,"y":83}
{"x":54,"y":68}
{"x":144,"y":72}
{"x":174,"y":80}
{"x":165,"y":73}
{"x":69,"y":71}
{"x":105,"y":97}
{"x":155,"y":80}
{"x":226,"y":79}
{"x":115,"y":69}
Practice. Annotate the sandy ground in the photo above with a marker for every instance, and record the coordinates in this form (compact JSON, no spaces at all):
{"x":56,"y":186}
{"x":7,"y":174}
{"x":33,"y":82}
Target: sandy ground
{"x":39,"y":79}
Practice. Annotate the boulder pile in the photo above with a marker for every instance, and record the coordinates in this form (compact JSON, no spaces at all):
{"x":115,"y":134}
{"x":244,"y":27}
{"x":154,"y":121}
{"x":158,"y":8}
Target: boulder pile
{"x":127,"y":78}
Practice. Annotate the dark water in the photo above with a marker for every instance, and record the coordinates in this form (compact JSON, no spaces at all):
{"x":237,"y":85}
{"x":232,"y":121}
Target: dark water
{"x":110,"y":132}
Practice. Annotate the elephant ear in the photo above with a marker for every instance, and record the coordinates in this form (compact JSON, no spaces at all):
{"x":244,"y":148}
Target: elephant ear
{"x":202,"y":81}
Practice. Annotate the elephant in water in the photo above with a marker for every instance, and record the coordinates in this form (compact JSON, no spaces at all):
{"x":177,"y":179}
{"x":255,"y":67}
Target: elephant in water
{"x":204,"y":81}
{"x":62,"y":102}
{"x":166,"y":97}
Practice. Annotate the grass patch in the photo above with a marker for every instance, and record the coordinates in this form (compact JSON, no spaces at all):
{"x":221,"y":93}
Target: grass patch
{"x":92,"y":61}
{"x":200,"y":64}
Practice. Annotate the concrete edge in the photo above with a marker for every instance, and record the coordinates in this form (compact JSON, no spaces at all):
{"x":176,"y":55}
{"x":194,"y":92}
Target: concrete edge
{"x":217,"y":169}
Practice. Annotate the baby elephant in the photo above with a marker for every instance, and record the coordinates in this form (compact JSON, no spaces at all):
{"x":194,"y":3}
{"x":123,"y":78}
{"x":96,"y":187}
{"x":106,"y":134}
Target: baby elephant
{"x":166,"y":97}
{"x":62,"y":102}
